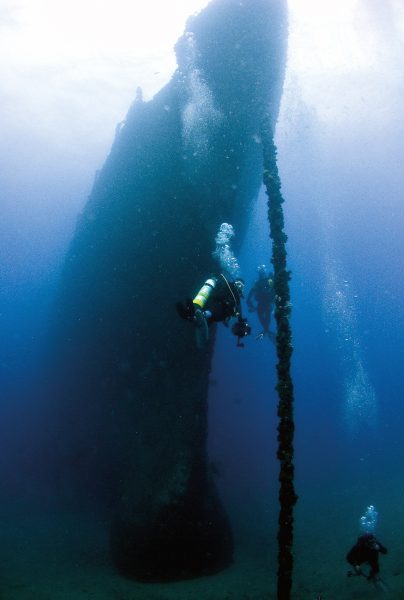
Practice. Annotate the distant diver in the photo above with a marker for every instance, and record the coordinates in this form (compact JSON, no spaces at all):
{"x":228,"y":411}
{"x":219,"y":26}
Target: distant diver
{"x":366,"y":551}
{"x":218,"y":301}
{"x":263,"y":294}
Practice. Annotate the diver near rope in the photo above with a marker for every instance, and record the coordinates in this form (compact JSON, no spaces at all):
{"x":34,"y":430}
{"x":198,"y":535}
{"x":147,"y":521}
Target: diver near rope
{"x":263,"y":294}
{"x":366,"y":551}
{"x":218,"y":301}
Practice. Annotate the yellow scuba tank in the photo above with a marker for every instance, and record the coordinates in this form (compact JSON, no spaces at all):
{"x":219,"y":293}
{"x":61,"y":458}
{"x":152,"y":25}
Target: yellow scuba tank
{"x":204,"y":293}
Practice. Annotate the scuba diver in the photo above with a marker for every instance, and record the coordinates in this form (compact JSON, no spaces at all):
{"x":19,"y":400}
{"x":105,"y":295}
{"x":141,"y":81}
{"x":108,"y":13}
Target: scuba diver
{"x":263,"y":294}
{"x":218,"y":300}
{"x":366,"y":550}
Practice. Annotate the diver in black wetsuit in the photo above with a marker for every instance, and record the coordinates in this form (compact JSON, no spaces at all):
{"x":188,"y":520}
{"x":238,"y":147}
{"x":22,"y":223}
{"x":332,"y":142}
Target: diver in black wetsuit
{"x":263,"y":294}
{"x":366,"y":550}
{"x":218,"y":300}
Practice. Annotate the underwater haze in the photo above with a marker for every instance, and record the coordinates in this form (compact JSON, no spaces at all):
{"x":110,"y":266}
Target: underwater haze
{"x":340,"y":141}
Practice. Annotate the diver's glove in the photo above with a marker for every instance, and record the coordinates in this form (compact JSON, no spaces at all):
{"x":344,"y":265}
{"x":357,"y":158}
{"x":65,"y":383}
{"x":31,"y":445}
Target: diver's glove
{"x":241,"y":329}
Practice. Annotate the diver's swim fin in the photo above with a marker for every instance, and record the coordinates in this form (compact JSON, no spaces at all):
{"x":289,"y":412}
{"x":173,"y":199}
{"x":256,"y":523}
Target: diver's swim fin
{"x":380,"y":585}
{"x":201,"y":329}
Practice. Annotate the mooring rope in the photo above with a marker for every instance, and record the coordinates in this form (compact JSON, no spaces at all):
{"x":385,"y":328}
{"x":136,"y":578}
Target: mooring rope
{"x":284,"y":387}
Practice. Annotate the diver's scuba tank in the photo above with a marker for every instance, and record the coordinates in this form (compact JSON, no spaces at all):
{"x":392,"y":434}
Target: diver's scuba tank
{"x":204,"y":293}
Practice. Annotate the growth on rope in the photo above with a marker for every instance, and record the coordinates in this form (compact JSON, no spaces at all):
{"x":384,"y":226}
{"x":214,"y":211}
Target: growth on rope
{"x":287,"y":496}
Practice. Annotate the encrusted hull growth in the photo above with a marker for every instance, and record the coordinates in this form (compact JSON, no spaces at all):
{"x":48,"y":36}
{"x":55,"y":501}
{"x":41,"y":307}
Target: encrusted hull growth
{"x":190,"y":537}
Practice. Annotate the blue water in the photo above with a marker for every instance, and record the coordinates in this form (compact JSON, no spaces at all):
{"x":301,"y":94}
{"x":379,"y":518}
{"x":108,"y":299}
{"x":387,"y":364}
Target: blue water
{"x":345,"y":221}
{"x":345,"y":250}
{"x":347,"y":290}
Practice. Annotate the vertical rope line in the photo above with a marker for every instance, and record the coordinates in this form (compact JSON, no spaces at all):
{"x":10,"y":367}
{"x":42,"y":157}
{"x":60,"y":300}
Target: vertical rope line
{"x":284,"y":387}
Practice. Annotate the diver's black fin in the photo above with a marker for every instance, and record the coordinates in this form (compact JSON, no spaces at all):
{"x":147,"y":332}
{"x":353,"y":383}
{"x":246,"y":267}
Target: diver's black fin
{"x":201,"y":329}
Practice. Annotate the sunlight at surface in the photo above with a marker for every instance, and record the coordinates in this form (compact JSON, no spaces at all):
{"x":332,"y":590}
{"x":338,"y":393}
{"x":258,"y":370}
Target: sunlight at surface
{"x":69,"y":71}
{"x":326,"y":36}
{"x":52,"y":31}
{"x":339,"y":50}
{"x":65,"y":52}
